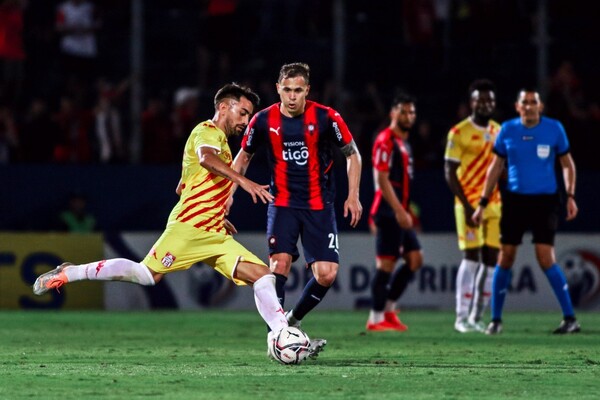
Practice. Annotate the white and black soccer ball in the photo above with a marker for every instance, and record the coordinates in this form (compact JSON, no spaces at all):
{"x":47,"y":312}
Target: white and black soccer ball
{"x":291,"y":346}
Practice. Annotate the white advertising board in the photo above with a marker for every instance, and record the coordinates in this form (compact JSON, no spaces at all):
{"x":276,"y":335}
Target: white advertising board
{"x":432,"y":287}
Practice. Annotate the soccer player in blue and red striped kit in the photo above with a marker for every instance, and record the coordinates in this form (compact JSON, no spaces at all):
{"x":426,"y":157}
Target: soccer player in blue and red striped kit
{"x":300,"y":136}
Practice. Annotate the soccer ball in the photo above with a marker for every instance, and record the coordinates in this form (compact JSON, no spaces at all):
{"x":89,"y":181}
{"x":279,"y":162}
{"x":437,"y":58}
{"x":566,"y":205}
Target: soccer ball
{"x":290,"y":346}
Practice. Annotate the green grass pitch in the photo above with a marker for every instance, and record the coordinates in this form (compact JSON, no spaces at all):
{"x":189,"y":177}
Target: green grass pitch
{"x":222,"y":355}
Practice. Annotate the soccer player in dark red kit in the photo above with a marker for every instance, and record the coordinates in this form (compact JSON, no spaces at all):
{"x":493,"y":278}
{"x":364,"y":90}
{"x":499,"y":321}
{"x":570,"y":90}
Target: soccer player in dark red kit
{"x":390,"y":217}
{"x":301,"y":136}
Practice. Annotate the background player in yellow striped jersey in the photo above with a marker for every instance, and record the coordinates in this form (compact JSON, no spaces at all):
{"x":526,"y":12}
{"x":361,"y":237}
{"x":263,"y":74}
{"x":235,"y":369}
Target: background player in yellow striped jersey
{"x":197,"y":230}
{"x":467,"y":157}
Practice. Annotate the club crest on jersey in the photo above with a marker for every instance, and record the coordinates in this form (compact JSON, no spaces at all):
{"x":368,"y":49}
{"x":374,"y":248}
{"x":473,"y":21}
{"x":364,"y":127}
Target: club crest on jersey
{"x":487,"y":137}
{"x":311,"y":128}
{"x":168,"y":260}
{"x":543,"y":151}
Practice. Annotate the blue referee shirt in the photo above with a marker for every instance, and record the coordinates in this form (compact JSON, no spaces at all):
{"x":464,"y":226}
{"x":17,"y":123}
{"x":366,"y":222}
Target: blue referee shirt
{"x":530,"y":154}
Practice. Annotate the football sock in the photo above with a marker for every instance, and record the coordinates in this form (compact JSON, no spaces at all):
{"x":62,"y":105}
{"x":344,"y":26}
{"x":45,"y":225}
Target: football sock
{"x":379,"y":289}
{"x":465,"y":278}
{"x":267,"y":304}
{"x":116,"y":269}
{"x":390,"y":306}
{"x":280,"y":281}
{"x":500,"y":284}
{"x":376,"y":317}
{"x":312,"y":295}
{"x":482,"y":291}
{"x":400,"y":280}
{"x":561,"y":289}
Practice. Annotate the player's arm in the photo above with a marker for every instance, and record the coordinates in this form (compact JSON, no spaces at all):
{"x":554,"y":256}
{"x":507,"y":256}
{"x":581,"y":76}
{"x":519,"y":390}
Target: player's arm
{"x":179,"y":188}
{"x":389,"y":194}
{"x":491,"y":179}
{"x":211,"y":161}
{"x":450,"y":168}
{"x":569,"y":175}
{"x":353,"y":169}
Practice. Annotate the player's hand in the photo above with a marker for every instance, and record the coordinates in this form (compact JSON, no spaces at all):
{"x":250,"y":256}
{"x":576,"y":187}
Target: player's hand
{"x":353,"y":207}
{"x":469,"y":211}
{"x":404,"y":219}
{"x":477,"y":216}
{"x":229,"y":227}
{"x":257,"y":191}
{"x":572,"y":209}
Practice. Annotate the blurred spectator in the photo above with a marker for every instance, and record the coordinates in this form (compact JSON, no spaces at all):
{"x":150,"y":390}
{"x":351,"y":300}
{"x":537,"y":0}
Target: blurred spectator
{"x":427,"y":149}
{"x":110,"y":146}
{"x":38,"y":134}
{"x":11,"y":47}
{"x":158,"y":145}
{"x":77,"y":23}
{"x":76,"y":217}
{"x":218,"y":38}
{"x":185,"y":116}
{"x":8,"y":135}
{"x":74,"y":123}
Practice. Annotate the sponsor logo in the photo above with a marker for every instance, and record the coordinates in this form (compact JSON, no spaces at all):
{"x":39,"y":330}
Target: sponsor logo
{"x":338,"y":134}
{"x":527,"y":138}
{"x":276,"y":131}
{"x":582,"y":270}
{"x":543,"y":150}
{"x":100,"y":266}
{"x":293,"y":153}
{"x":249,"y":135}
{"x":168,"y":260}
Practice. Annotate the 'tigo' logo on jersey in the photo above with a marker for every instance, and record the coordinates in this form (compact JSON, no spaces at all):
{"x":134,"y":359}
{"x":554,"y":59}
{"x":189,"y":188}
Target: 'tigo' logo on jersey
{"x":296,"y":152}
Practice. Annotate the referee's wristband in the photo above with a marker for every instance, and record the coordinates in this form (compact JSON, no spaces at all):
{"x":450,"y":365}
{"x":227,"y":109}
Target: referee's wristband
{"x":483,"y":201}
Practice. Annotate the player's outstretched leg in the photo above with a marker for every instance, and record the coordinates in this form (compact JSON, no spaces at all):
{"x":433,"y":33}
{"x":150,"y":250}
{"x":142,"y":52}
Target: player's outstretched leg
{"x":117,"y":269}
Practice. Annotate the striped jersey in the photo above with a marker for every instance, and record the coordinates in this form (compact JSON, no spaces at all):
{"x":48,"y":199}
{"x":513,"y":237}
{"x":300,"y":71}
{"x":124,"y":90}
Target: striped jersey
{"x":299,"y":152}
{"x":391,"y":154}
{"x":471,"y":146}
{"x":203,"y":196}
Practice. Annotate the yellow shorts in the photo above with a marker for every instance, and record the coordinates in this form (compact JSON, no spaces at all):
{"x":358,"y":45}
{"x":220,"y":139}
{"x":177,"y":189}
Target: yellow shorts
{"x":488,"y":233}
{"x":181,"y":246}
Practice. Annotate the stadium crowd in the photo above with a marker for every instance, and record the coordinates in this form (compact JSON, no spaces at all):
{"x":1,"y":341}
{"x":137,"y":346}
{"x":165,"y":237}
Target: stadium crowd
{"x":64,"y":83}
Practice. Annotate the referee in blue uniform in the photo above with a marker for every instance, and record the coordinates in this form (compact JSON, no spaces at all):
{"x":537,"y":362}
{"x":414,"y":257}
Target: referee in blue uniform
{"x":528,"y":146}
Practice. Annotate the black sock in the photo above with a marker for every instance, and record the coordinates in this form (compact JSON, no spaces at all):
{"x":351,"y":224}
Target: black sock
{"x":400,"y":280}
{"x":280,"y":281}
{"x":379,"y":291}
{"x":312,"y":295}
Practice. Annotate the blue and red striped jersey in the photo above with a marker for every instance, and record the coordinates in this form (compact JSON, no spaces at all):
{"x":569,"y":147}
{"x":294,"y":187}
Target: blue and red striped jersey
{"x":299,"y":152}
{"x":392,"y":155}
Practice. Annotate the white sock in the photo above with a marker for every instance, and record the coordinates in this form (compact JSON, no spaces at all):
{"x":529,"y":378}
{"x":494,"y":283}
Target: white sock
{"x":375,"y":317}
{"x":390,"y":306}
{"x":267,"y":304}
{"x":116,"y":269}
{"x":464,"y":287}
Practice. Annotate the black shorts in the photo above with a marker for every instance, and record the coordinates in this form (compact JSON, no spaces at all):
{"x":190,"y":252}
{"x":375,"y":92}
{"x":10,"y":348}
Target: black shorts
{"x":316,"y":228}
{"x":393,"y":241}
{"x":538,"y":213}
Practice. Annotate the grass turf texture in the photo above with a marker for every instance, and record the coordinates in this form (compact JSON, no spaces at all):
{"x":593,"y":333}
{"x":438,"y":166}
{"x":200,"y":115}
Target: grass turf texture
{"x":222,"y":355}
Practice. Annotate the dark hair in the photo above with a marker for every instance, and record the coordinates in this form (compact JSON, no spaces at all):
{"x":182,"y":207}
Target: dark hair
{"x":293,"y":70}
{"x":527,"y":89}
{"x":403,"y":98}
{"x":481,"y":85}
{"x":236,"y":91}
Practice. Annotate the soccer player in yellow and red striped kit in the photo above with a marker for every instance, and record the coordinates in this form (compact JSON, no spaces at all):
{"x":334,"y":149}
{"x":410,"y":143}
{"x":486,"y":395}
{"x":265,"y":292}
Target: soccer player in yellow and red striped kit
{"x":467,"y":157}
{"x":197,"y":230}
